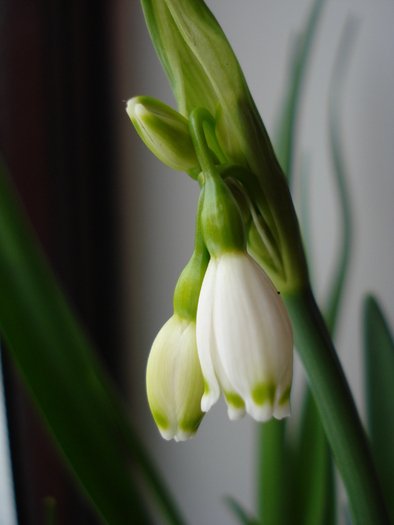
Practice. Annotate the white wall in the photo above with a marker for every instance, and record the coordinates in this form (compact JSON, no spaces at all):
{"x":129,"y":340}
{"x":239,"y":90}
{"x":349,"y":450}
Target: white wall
{"x":158,"y":208}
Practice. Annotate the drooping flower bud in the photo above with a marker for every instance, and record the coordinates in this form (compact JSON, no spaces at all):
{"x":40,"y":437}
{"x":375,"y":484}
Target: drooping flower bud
{"x":244,"y":333}
{"x":244,"y":339}
{"x":174,"y":379}
{"x":164,"y":131}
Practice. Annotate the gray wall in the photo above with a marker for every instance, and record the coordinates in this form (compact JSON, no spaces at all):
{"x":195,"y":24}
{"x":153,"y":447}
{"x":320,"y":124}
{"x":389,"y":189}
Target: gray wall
{"x":158,"y":206}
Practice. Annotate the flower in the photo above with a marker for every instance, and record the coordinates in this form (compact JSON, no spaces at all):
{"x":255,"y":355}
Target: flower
{"x":244,"y":339}
{"x":164,"y":131}
{"x":174,"y":380}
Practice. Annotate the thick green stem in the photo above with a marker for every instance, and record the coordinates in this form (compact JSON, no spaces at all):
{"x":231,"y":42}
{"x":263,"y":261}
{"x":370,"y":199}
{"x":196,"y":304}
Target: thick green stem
{"x":337,"y":410}
{"x":273,"y":501}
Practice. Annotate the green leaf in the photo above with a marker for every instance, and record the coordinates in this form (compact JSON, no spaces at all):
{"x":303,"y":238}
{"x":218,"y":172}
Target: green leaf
{"x":284,"y":144}
{"x":305,"y":221}
{"x":314,"y":480}
{"x":240,"y":512}
{"x":66,"y":380}
{"x":379,"y":372}
{"x":341,"y":66}
{"x":276,"y":494}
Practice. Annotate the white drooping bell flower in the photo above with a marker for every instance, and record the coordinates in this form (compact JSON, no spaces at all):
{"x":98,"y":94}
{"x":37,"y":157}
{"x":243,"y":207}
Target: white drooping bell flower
{"x":174,"y":380}
{"x":244,"y":339}
{"x":244,"y":333}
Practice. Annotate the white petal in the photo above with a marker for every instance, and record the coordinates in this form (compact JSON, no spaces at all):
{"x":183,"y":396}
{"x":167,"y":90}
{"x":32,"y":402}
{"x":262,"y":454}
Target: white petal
{"x":188,"y":384}
{"x":159,"y":377}
{"x":174,"y":380}
{"x":253,"y":332}
{"x":204,"y":337}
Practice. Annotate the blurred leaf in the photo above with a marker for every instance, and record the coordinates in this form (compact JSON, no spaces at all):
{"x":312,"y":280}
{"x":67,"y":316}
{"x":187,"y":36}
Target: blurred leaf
{"x":284,"y":144}
{"x":70,"y":386}
{"x":55,"y":360}
{"x":316,"y":498}
{"x":240,"y":512}
{"x":341,"y":66}
{"x":314,"y":480}
{"x":305,"y":221}
{"x":50,"y":511}
{"x":348,"y":517}
{"x":379,"y":371}
{"x":277,"y":462}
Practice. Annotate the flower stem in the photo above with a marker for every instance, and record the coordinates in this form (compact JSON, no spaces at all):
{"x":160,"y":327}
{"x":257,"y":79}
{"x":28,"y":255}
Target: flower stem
{"x":337,"y":410}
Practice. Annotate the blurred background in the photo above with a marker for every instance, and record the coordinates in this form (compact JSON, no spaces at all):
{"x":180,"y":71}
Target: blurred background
{"x":118,"y":226}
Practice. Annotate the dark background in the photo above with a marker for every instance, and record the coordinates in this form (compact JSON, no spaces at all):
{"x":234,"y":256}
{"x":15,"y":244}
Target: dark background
{"x":58,"y":139}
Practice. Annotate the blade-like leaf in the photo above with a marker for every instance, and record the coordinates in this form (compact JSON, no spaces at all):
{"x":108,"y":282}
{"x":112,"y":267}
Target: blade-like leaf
{"x":69,"y":385}
{"x":316,"y":500}
{"x":54,"y":358}
{"x":379,"y":372}
{"x":277,"y":457}
{"x":284,"y":144}
{"x":240,"y":512}
{"x":335,"y":129}
{"x":314,"y":480}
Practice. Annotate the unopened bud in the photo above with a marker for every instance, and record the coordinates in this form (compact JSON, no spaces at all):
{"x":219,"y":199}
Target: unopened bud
{"x":164,"y":131}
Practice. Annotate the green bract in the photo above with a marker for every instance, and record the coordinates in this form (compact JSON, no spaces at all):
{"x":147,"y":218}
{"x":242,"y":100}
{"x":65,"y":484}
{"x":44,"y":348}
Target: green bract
{"x":221,"y":219}
{"x":164,"y":131}
{"x":204,"y":72}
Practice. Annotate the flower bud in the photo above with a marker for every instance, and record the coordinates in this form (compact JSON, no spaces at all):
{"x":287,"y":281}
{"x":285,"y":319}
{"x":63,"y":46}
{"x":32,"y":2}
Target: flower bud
{"x":164,"y":131}
{"x":173,"y":377}
{"x":244,"y":333}
{"x":174,"y":380}
{"x":221,"y":219}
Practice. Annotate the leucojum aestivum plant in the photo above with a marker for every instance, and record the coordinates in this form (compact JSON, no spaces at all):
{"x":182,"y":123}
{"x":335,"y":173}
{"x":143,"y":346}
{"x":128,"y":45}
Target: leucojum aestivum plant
{"x":246,"y":287}
{"x":240,"y":303}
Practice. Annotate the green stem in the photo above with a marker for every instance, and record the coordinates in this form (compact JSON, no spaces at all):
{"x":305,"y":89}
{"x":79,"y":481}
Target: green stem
{"x":272,"y":489}
{"x":337,"y":410}
{"x":197,"y":118}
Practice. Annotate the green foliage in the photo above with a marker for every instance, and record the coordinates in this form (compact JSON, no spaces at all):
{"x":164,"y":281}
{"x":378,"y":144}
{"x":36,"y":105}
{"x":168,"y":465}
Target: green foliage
{"x":313,"y":484}
{"x":69,"y":385}
{"x":296,"y":483}
{"x":243,"y":516}
{"x":287,"y":130}
{"x":379,"y":377}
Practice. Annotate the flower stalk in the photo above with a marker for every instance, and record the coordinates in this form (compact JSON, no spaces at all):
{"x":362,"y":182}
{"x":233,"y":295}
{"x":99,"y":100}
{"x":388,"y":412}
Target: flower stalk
{"x":204,"y":73}
{"x":337,"y":410}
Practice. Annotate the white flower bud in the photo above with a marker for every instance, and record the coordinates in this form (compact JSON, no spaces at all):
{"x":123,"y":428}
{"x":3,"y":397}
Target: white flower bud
{"x":164,"y":131}
{"x":244,"y":339}
{"x":174,"y":380}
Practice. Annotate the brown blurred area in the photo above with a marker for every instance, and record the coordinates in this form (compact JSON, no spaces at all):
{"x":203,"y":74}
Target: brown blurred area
{"x":58,"y":140}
